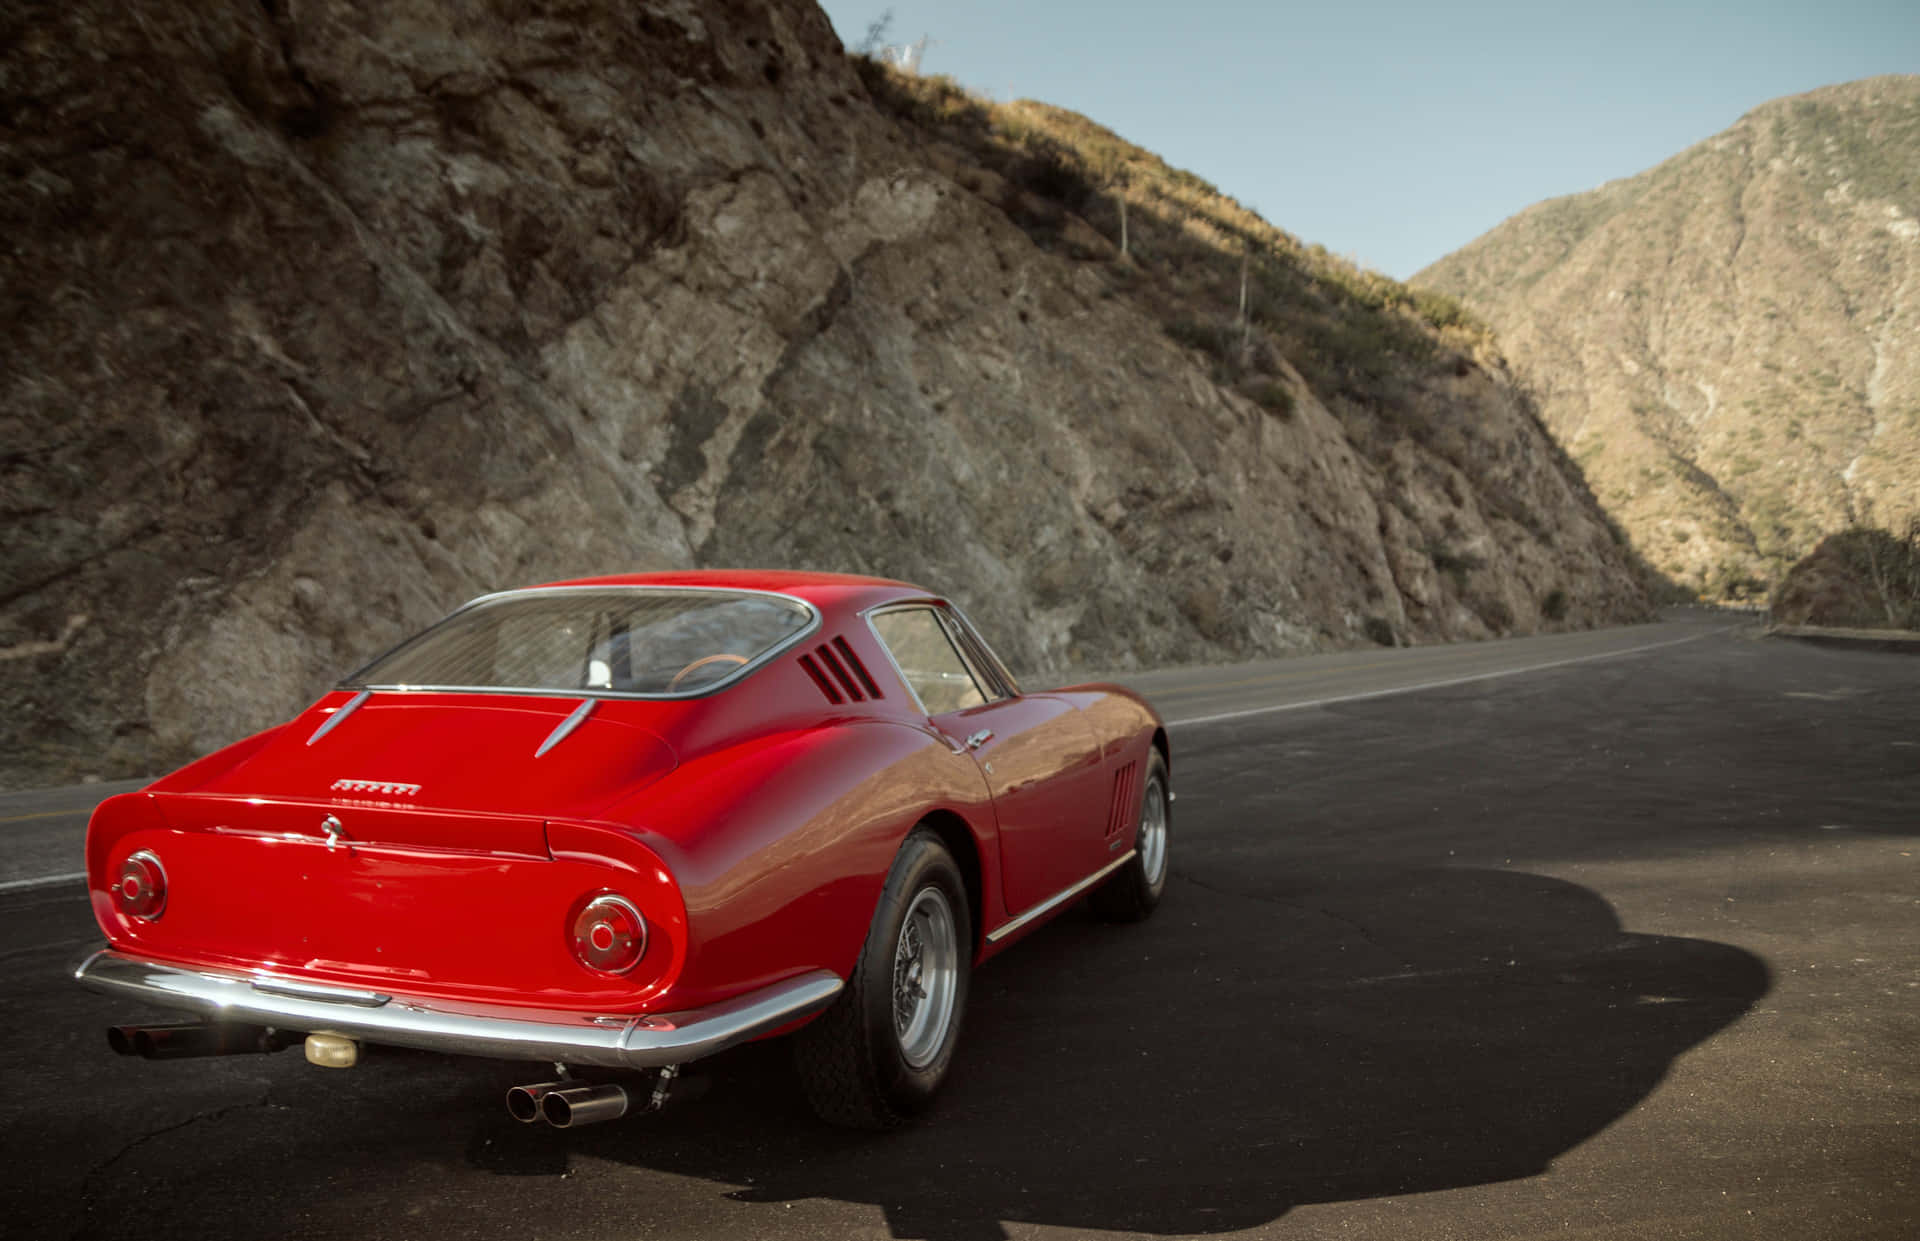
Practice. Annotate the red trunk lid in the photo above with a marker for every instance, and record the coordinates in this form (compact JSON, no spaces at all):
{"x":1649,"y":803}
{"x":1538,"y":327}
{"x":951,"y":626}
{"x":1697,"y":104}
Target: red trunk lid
{"x":439,"y":771}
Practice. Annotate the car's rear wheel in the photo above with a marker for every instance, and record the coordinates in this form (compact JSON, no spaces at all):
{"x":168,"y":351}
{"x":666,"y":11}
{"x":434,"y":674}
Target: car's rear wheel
{"x":879,"y":1054}
{"x":1134,"y":891}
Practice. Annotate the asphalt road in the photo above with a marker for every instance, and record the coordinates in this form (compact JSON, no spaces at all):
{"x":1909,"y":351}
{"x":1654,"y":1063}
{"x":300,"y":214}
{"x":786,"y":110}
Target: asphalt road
{"x":44,"y":831}
{"x":1620,"y":942}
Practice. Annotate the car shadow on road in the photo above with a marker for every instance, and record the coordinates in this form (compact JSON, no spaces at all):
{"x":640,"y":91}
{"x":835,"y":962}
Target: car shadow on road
{"x":1258,"y":1045}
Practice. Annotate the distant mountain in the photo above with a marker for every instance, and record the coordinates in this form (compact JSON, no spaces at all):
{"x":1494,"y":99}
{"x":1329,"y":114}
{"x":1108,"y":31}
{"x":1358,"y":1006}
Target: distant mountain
{"x":1729,"y":343}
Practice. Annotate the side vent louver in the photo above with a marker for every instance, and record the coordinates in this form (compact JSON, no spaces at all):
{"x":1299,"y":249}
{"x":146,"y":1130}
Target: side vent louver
{"x":820,"y":679}
{"x":859,"y":669}
{"x":839,"y":674}
{"x":1126,"y":783}
{"x":832,"y":664}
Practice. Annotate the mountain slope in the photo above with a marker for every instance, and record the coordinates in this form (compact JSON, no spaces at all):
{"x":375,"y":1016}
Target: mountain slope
{"x":319,"y":320}
{"x":1729,"y":343}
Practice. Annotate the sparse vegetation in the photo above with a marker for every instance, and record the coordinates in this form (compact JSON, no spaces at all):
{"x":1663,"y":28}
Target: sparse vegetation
{"x":1455,"y":565}
{"x":1863,"y":577}
{"x":1272,"y":396}
{"x":1215,"y":339}
{"x":1220,"y":278}
{"x":1384,"y":358}
{"x":1554,"y":606}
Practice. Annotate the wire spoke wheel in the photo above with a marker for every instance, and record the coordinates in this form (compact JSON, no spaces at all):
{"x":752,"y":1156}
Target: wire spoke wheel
{"x":877,"y":1057}
{"x":1152,"y":842}
{"x":926,"y":974}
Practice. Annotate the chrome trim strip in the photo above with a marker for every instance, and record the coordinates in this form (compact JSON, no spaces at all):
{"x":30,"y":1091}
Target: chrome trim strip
{"x":273,"y":984}
{"x":767,"y":656}
{"x":567,"y":725}
{"x":327,"y":725}
{"x":675,"y":1038}
{"x":494,"y":1030}
{"x":1059,"y":898}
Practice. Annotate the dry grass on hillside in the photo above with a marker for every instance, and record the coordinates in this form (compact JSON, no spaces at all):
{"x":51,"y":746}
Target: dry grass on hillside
{"x":1260,"y":304}
{"x":1079,"y":189}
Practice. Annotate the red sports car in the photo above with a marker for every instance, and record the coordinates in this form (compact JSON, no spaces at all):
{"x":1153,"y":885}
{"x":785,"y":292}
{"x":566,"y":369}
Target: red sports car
{"x":623,"y":823}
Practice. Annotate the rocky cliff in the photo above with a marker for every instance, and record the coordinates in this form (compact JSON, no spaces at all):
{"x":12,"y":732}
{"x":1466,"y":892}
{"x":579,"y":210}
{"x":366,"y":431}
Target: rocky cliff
{"x":1730,"y":342}
{"x":320,"y":319}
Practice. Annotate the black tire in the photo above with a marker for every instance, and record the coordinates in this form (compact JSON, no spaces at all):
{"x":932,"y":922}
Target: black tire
{"x":856,"y":1065}
{"x":1134,"y":891}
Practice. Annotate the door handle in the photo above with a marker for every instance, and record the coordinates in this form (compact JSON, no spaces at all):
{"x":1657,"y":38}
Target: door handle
{"x":980,"y":738}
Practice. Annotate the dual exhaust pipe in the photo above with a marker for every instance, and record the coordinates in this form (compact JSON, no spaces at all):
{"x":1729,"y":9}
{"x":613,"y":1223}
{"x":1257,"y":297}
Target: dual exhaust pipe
{"x":568,"y":1104}
{"x":565,"y":1104}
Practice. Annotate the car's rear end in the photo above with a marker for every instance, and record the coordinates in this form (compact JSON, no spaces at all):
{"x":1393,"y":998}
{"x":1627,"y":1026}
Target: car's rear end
{"x":423,"y":865}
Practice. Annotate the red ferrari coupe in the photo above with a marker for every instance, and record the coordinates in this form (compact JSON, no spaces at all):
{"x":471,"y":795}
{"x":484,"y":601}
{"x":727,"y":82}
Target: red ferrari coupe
{"x":620,"y":824}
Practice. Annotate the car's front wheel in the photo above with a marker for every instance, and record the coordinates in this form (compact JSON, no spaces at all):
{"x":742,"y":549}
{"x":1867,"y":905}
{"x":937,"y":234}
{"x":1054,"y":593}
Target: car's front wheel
{"x":880,"y":1053}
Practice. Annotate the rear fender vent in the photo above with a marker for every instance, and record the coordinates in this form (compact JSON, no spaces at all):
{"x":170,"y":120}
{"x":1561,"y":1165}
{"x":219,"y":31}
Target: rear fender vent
{"x":838,"y":673}
{"x":820,"y":679}
{"x":859,"y":669}
{"x":1126,"y":787}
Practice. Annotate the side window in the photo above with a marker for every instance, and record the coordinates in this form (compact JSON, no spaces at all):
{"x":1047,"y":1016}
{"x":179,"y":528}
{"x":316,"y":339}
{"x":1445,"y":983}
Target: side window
{"x":980,"y":657}
{"x":925,"y":657}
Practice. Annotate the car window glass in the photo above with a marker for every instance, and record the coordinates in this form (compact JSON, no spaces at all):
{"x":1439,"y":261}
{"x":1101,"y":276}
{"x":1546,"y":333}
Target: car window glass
{"x":623,"y":640}
{"x":927,"y":660}
{"x":986,"y":666}
{"x":969,"y":656}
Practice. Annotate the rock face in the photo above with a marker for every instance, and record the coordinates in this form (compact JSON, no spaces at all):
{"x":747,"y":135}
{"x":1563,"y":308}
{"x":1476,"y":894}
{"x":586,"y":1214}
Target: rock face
{"x":321,"y":319}
{"x":1730,"y":343}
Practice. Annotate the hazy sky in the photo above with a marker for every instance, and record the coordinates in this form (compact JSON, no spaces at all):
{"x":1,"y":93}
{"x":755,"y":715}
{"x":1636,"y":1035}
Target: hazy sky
{"x":1394,"y":132}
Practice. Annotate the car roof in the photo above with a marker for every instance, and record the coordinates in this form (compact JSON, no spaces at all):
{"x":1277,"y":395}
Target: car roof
{"x":820,"y":589}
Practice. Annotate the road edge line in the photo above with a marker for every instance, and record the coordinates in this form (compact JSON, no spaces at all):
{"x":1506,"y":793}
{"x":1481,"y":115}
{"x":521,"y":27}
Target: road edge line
{"x":1426,"y":685}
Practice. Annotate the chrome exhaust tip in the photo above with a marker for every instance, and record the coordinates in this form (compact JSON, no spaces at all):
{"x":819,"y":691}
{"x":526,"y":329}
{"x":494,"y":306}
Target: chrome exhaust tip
{"x":523,"y":1102}
{"x":579,"y":1104}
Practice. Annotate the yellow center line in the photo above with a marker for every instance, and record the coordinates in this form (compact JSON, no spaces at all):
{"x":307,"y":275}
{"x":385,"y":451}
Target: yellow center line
{"x":46,"y":814}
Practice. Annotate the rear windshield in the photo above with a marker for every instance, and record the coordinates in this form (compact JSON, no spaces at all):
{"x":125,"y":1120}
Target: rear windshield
{"x":616,"y":640}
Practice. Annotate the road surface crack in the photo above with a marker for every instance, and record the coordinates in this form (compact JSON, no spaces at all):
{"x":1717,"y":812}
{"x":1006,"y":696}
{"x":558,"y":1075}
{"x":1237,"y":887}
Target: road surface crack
{"x":212,"y":1114}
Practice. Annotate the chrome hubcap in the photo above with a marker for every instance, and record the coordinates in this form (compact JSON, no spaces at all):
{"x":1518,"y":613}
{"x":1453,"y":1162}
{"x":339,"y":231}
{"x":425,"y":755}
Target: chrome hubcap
{"x":1153,"y":833}
{"x":926,"y":977}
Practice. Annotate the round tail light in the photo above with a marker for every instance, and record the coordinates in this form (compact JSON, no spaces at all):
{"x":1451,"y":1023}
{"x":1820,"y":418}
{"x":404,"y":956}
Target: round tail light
{"x":608,"y":935}
{"x":141,"y":889}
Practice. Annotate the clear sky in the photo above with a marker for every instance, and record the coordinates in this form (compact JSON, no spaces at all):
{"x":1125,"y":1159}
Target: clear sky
{"x":1395,"y":131}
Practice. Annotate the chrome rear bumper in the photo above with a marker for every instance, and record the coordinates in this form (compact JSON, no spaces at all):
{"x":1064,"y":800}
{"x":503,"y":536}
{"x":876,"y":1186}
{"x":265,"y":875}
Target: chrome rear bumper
{"x":497,"y":1031}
